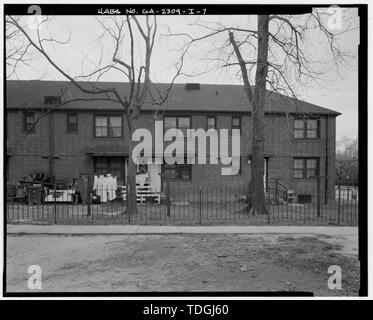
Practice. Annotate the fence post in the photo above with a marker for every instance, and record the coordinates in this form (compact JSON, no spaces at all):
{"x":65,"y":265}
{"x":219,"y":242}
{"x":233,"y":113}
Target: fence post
{"x":88,"y":200}
{"x":200,"y":204}
{"x":55,"y":204}
{"x":128,"y":190}
{"x":268,"y":204}
{"x":318,"y":196}
{"x":339,"y":202}
{"x":348,"y":202}
{"x":168,"y":191}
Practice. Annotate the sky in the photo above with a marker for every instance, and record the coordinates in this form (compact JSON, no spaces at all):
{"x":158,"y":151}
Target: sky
{"x":337,"y":91}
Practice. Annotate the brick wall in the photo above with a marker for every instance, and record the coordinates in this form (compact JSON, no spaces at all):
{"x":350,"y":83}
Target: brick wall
{"x":29,"y":152}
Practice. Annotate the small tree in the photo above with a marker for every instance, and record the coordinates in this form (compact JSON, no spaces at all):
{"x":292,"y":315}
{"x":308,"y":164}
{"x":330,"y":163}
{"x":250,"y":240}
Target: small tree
{"x":347,"y":162}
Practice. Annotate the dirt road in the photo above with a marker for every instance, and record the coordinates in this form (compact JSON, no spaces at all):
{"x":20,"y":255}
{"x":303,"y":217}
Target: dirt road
{"x":192,"y":262}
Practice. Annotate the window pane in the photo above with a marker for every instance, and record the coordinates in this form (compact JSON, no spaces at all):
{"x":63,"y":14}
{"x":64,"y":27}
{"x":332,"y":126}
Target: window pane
{"x":298,"y":163}
{"x":236,"y":123}
{"x":184,"y":122}
{"x":101,"y":131}
{"x":311,"y":173}
{"x":101,"y":121}
{"x":298,"y":124}
{"x":312,"y":133}
{"x":298,"y":133}
{"x":311,"y":163}
{"x":169,"y":122}
{"x":298,"y":173}
{"x":311,"y":124}
{"x":211,"y":123}
{"x":116,"y":132}
{"x":311,"y":168}
{"x":312,"y":128}
{"x":115,"y":122}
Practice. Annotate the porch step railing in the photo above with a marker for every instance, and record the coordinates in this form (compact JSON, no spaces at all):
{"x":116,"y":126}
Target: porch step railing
{"x":276,"y":191}
{"x":143,"y":193}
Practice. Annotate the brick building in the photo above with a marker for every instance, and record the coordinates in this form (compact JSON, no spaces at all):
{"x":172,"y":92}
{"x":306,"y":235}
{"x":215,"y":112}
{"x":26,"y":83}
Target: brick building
{"x":92,"y":137}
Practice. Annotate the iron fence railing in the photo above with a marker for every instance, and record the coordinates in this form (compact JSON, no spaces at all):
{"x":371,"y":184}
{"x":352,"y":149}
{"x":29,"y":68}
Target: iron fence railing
{"x":183,"y":204}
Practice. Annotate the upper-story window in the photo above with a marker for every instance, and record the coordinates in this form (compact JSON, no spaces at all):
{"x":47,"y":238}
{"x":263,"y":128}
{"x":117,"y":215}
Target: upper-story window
{"x":72,"y":122}
{"x":182,"y":123}
{"x":236,"y":123}
{"x":211,"y":123}
{"x":29,"y":121}
{"x":306,"y":128}
{"x":108,"y":126}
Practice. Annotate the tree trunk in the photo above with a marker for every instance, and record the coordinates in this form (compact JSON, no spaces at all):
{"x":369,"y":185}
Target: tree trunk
{"x":131,"y":174}
{"x":257,"y":162}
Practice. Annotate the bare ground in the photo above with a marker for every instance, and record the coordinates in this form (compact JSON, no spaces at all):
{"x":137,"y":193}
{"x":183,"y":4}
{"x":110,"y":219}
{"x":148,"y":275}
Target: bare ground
{"x":193,"y":262}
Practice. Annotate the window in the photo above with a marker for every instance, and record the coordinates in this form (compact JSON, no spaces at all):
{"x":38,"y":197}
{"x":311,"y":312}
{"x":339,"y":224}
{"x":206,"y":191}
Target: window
{"x":108,"y":126}
{"x":178,"y":171}
{"x":305,"y":168}
{"x":170,"y":123}
{"x":29,"y":121}
{"x":211,"y":123}
{"x":182,"y":123}
{"x":311,"y":165}
{"x":111,"y":165}
{"x":306,"y":128}
{"x":236,"y":123}
{"x":72,"y":122}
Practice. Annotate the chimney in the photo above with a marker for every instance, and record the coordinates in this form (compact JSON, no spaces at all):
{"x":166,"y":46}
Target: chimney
{"x":48,"y":100}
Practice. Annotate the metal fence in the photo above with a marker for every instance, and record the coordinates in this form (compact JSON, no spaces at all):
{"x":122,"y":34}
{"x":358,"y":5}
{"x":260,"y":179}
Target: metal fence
{"x":184,"y":205}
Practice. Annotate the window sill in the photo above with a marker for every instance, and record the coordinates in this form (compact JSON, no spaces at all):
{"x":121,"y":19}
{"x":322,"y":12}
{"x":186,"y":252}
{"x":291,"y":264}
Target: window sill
{"x":108,"y":137}
{"x":306,"y":139}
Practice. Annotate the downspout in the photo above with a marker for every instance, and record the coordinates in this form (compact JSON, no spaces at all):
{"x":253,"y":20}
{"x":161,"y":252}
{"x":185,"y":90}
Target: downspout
{"x":326,"y":158}
{"x":51,"y":145}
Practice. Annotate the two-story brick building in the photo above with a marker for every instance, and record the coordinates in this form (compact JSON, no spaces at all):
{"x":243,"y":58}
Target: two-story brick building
{"x":92,"y":137}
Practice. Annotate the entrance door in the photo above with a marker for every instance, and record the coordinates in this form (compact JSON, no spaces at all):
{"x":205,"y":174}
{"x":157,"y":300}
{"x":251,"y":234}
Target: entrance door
{"x":265,"y":175}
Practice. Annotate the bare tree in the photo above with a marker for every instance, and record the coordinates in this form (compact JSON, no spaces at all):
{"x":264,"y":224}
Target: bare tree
{"x":277,"y":53}
{"x":135,"y":71}
{"x":16,"y":48}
